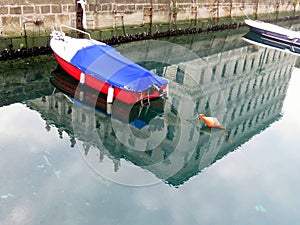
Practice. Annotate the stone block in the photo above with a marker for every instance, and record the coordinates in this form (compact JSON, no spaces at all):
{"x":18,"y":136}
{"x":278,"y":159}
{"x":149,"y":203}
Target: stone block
{"x":186,"y":1}
{"x":161,"y":2}
{"x":162,"y":7}
{"x":28,"y":9}
{"x":99,"y":8}
{"x":71,"y":8}
{"x":11,"y":24}
{"x":121,"y":8}
{"x":139,"y":7}
{"x":49,"y":21}
{"x":62,"y":19}
{"x":130,"y":7}
{"x":63,"y":1}
{"x":103,"y":2}
{"x":56,"y":9}
{"x":105,"y":20}
{"x":15,"y":10}
{"x":49,"y":18}
{"x":92,"y":7}
{"x":106,"y":7}
{"x":65,"y":8}
{"x":37,"y":9}
{"x":10,"y":20}
{"x":45,"y":9}
{"x":3,"y":10}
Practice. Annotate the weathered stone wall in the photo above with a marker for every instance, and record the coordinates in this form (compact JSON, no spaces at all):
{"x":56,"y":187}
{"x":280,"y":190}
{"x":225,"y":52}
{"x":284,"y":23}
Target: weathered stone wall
{"x":42,"y":15}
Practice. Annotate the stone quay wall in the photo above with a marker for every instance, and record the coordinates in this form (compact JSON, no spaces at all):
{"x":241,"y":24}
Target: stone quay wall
{"x":18,"y":16}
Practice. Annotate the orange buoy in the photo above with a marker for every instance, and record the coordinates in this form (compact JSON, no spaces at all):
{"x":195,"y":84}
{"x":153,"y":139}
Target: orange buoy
{"x":211,"y":122}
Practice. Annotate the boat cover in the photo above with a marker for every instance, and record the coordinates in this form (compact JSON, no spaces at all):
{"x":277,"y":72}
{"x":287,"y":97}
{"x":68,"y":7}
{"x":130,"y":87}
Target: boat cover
{"x":107,"y":64}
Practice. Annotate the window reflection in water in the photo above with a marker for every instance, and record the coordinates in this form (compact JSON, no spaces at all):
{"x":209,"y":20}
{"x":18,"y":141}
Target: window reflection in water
{"x":252,"y":84}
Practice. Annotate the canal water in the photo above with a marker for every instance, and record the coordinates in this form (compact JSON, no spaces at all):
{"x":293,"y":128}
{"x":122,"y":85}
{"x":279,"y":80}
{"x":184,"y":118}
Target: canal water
{"x":69,"y":158}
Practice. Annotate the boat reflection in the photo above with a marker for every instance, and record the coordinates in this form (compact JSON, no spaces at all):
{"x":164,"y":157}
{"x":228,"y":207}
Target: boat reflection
{"x":82,"y":95}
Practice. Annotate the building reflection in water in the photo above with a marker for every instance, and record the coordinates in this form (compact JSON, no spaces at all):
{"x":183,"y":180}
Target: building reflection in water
{"x":244,"y":87}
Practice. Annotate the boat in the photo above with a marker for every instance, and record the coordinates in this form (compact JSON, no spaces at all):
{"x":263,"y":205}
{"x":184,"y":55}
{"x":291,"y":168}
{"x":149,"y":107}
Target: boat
{"x":104,"y":69}
{"x":259,"y":40}
{"x":270,"y":35}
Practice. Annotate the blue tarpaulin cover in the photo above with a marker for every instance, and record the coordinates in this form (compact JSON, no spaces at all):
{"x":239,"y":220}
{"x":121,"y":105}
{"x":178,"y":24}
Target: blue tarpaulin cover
{"x":107,"y":64}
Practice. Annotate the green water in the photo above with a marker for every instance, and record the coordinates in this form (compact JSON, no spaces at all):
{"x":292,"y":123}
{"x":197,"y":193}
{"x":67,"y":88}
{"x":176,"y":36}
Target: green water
{"x":65,"y":162}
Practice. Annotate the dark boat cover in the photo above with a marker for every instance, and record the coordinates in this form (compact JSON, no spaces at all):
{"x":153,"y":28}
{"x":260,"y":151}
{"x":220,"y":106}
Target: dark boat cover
{"x":107,"y":64}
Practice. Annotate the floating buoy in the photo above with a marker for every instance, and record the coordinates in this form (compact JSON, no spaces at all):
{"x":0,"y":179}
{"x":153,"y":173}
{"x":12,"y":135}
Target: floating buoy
{"x":212,"y":126}
{"x":211,"y":122}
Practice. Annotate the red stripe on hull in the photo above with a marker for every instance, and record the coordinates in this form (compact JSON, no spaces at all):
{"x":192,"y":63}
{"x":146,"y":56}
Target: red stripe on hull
{"x":122,"y":95}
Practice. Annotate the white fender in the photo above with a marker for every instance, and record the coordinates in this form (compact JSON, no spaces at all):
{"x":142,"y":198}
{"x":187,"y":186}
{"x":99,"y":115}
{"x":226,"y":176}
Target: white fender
{"x":110,"y":95}
{"x":108,"y":108}
{"x":81,"y":96}
{"x":82,"y":78}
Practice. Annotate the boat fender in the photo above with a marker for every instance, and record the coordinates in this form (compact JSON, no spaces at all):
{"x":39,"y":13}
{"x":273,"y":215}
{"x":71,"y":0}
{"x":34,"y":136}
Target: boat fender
{"x":81,"y":96}
{"x":167,"y":91}
{"x":82,"y":78}
{"x":108,"y":108}
{"x":110,"y":95}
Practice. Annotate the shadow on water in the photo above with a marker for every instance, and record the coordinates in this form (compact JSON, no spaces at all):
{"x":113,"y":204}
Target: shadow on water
{"x":244,"y":86}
